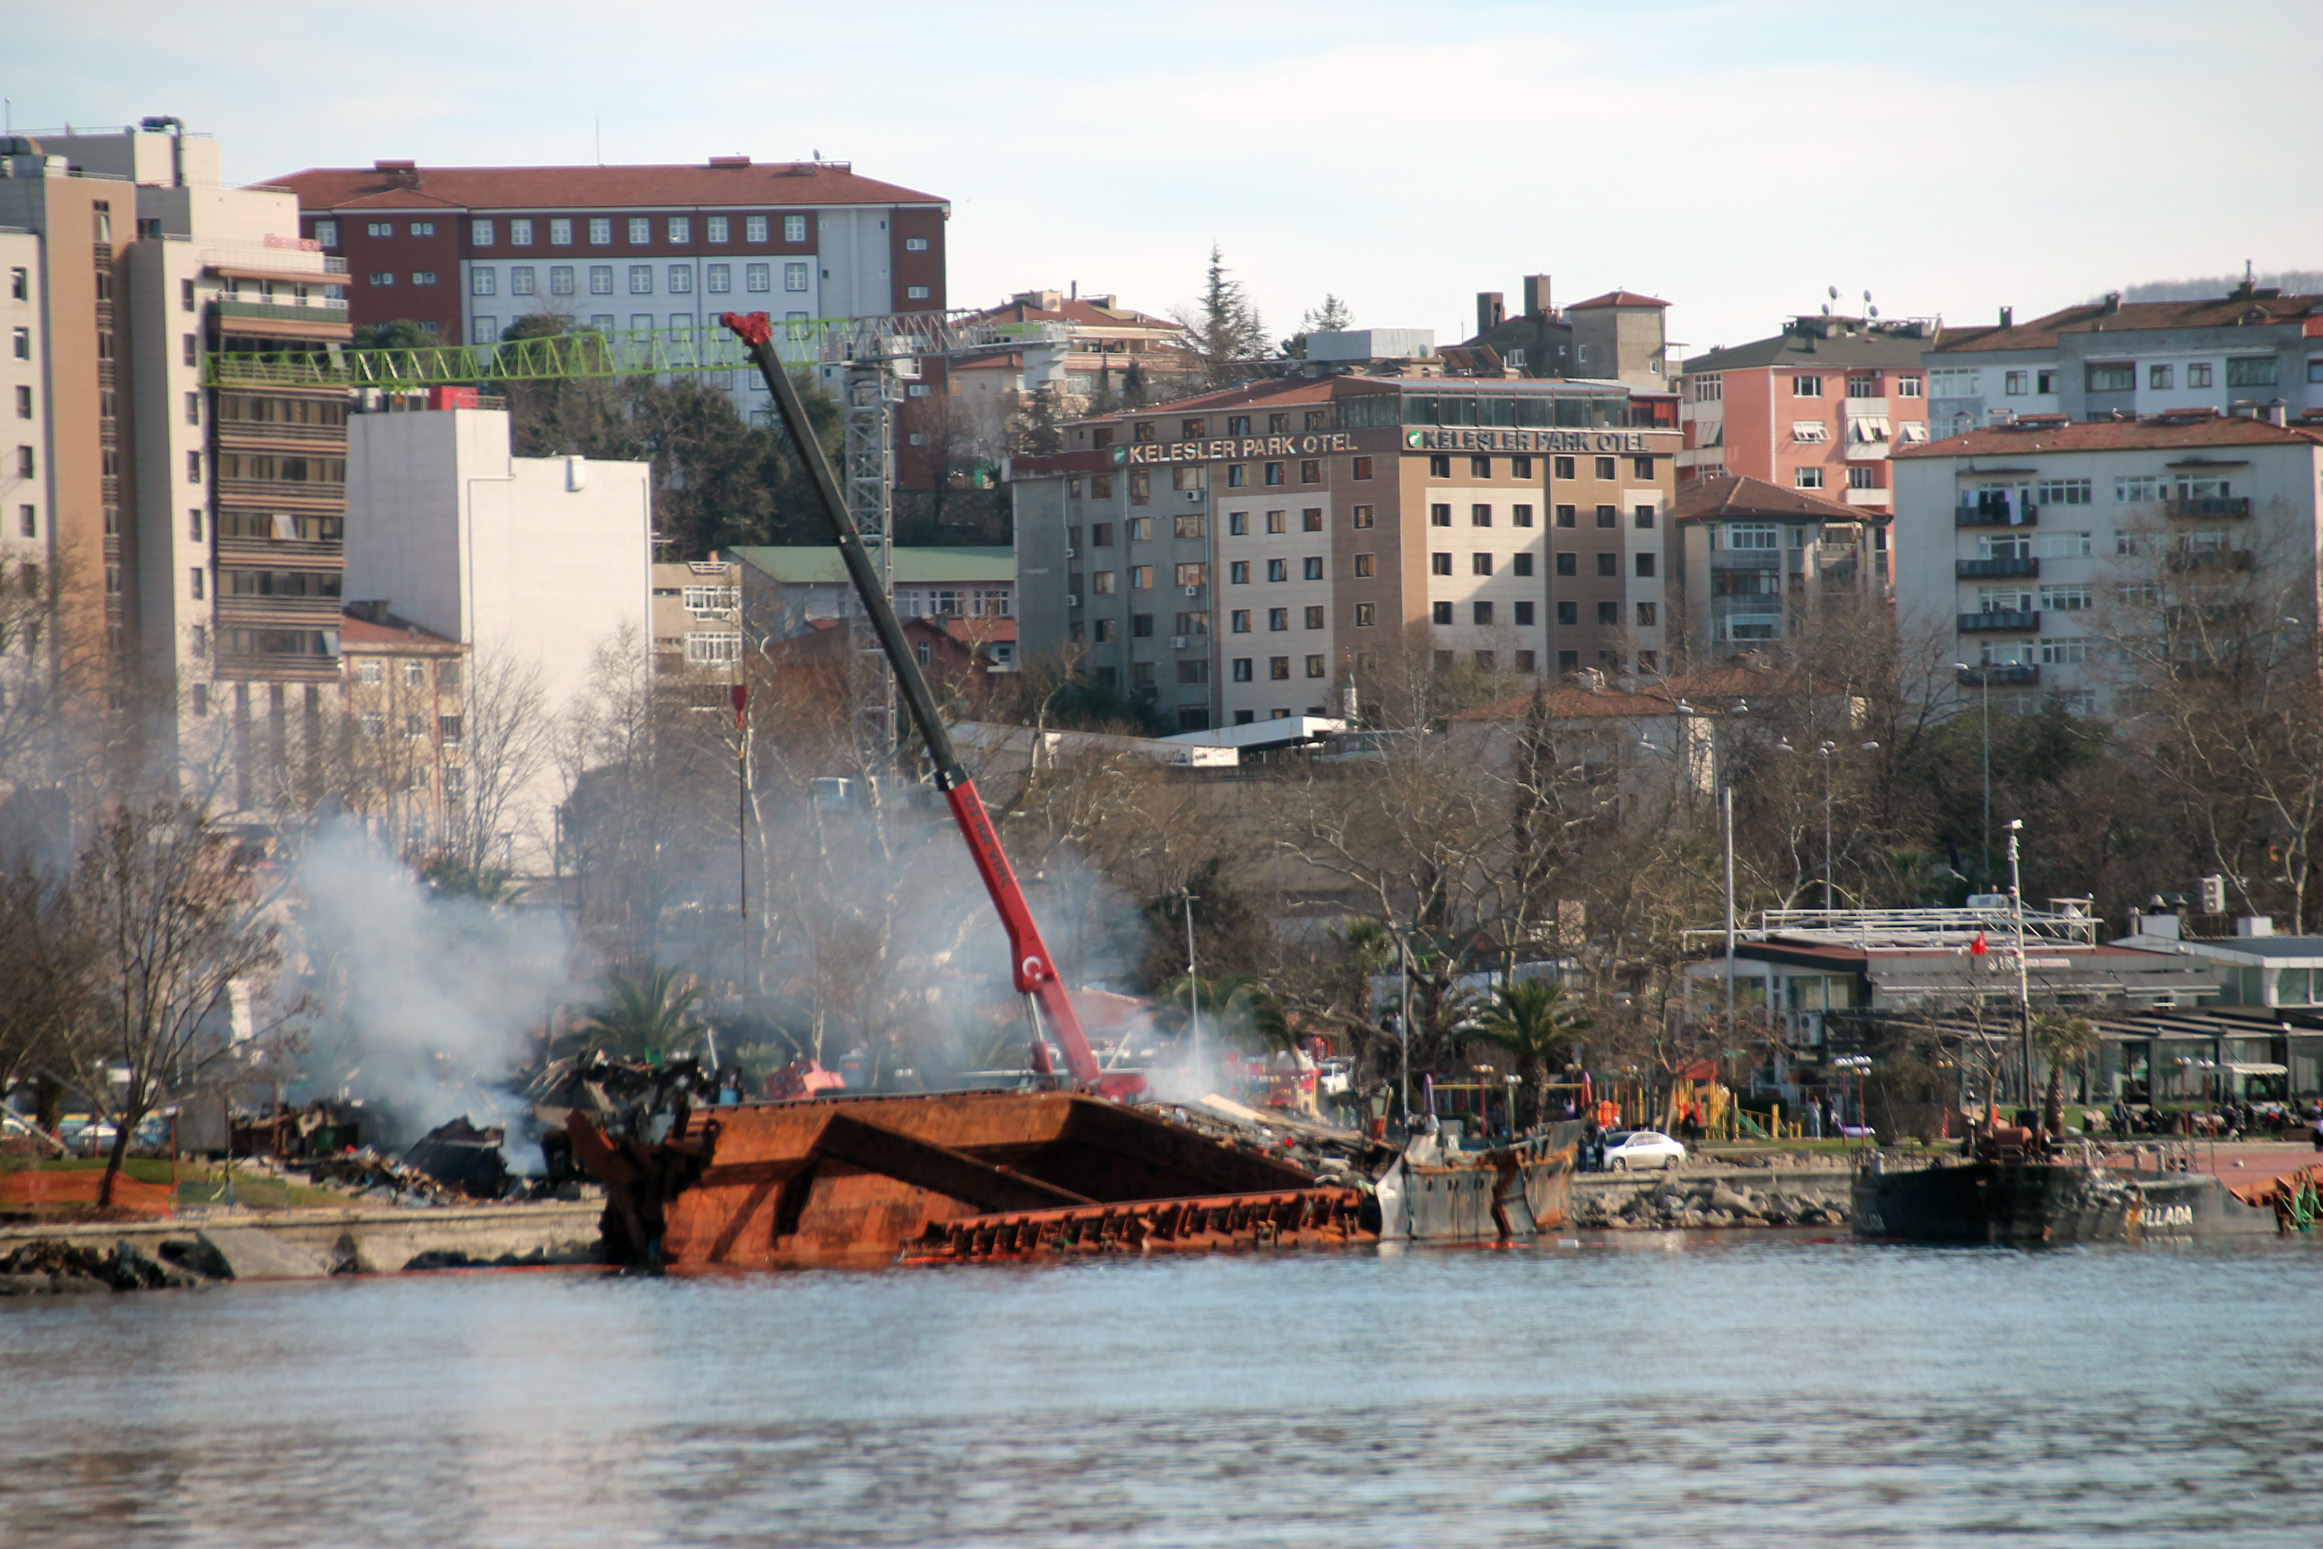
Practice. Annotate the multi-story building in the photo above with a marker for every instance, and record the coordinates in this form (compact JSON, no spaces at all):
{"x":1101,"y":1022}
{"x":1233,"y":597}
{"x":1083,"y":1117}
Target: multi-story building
{"x":405,"y":766}
{"x":2253,"y":348}
{"x":531,"y":564}
{"x":1235,"y":555}
{"x":697,"y":614}
{"x":197,"y":527}
{"x":1619,"y":336}
{"x":2042,"y":548}
{"x":788,"y":590}
{"x":1816,"y":407}
{"x":1753,"y":563}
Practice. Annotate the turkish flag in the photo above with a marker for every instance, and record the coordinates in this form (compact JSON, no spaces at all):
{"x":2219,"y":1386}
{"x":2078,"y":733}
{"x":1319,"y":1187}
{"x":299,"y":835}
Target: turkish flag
{"x":1976,"y":947}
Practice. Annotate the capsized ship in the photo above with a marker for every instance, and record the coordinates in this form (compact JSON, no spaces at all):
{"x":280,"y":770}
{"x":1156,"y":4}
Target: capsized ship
{"x":2013,"y":1191}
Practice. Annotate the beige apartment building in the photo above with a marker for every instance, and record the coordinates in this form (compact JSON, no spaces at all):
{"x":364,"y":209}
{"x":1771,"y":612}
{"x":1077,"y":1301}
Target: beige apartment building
{"x":1236,"y":556}
{"x":197,"y":529}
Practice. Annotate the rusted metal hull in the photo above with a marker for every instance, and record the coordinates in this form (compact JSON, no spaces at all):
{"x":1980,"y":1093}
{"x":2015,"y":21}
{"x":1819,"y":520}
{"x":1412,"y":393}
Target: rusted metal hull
{"x":1496,"y":1196}
{"x":868,"y":1180}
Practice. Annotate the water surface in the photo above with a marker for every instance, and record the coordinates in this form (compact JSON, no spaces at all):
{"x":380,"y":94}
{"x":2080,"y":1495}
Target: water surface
{"x":1639,"y":1391}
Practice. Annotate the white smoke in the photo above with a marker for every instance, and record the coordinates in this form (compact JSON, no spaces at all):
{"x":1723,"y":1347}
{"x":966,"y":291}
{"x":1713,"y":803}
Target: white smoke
{"x":423,"y":1004}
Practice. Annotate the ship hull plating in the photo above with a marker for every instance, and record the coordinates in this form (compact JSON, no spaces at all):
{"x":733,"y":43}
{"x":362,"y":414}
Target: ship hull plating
{"x":2030,"y":1204}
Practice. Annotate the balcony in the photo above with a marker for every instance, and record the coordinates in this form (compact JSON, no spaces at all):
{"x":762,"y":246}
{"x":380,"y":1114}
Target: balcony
{"x":1981,"y":569}
{"x":1996,"y":516}
{"x":334,"y":309}
{"x":258,"y":612}
{"x":2009,"y":674}
{"x":270,"y":494}
{"x":2212,"y":559}
{"x":236,"y":435}
{"x":2003,"y":623}
{"x":2232,"y":507}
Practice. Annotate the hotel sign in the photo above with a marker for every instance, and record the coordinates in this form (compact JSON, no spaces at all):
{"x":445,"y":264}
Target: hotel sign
{"x":1241,"y":446}
{"x":1488,"y":440}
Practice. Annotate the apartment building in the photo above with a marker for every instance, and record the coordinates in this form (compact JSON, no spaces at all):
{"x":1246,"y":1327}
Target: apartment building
{"x":1752,"y":564}
{"x":1619,"y":336}
{"x":195,"y":527}
{"x":405,"y":728}
{"x":2046,"y":550}
{"x":530,"y":564}
{"x":1234,"y":556}
{"x":1815,"y":408}
{"x":697,"y":614}
{"x":2253,"y":349}
{"x":787,"y":591}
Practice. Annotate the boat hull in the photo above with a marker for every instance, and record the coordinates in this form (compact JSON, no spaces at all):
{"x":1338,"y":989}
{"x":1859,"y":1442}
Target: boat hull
{"x":1496,"y":1196}
{"x":868,"y":1180}
{"x":2030,"y":1204}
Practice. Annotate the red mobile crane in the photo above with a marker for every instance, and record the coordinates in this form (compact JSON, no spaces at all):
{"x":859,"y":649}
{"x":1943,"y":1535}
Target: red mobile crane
{"x":1034,"y":970}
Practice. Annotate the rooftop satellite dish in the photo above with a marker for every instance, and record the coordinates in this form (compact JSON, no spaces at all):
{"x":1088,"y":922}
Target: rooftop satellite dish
{"x":1875,"y":311}
{"x":1867,"y":298}
{"x":1826,"y":309}
{"x":1834,"y":291}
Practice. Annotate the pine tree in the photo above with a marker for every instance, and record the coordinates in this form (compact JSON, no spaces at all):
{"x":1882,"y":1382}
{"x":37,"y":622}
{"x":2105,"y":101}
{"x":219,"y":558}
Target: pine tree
{"x":1226,"y":328}
{"x":1332,"y":316}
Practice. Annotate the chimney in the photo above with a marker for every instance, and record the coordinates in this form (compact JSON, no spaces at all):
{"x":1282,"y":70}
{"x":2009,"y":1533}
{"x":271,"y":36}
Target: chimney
{"x":2008,"y":317}
{"x":1491,"y":311}
{"x":2112,"y":302}
{"x":2278,"y":412}
{"x":1536,"y":296}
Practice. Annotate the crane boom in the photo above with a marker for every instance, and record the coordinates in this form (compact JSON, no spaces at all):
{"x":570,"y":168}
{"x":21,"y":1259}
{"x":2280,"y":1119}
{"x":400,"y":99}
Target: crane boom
{"x":1034,"y":970}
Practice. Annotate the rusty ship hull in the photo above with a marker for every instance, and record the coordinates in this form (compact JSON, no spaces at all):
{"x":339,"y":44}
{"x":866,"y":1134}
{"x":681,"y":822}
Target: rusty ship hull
{"x":1511,"y":1192}
{"x":943,"y":1177}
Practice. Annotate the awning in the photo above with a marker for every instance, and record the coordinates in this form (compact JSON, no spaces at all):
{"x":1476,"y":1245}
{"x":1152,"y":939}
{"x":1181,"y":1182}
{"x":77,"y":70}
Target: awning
{"x":2257,"y":1068}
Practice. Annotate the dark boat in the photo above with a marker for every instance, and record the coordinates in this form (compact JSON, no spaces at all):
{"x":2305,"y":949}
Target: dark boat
{"x":1513,"y":1191}
{"x":2015,"y":1195}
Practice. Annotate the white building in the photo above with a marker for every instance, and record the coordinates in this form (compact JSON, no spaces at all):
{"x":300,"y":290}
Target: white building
{"x":521,"y":559}
{"x":2043,"y":549}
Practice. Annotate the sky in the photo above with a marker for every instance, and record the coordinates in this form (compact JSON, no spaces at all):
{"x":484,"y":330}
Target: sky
{"x":1735,"y":159}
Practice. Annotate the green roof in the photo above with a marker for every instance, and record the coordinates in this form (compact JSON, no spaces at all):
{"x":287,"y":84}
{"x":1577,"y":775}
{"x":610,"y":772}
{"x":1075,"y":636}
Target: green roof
{"x":799,"y":565}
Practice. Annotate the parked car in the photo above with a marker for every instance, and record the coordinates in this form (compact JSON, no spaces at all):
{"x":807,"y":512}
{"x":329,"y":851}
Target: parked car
{"x":1637,"y":1150}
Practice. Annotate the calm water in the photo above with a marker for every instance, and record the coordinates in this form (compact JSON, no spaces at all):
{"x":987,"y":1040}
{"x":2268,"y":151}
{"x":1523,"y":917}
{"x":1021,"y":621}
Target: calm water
{"x":1646,"y":1391}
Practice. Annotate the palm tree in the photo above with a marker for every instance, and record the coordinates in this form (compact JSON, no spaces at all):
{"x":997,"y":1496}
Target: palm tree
{"x":642,"y":1017}
{"x":1239,"y":1007}
{"x":2062,"y":1040}
{"x":1534,"y":1022}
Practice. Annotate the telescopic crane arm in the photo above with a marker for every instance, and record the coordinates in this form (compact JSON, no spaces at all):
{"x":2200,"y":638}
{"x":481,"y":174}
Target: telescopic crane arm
{"x":1035,"y":971}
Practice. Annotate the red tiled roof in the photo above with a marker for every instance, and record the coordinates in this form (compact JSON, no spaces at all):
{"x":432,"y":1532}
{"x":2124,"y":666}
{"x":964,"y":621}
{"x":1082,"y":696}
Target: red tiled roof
{"x":1617,"y":298}
{"x":2113,"y":435}
{"x":1086,"y":314}
{"x":2092,"y":317}
{"x":1733,"y":496}
{"x":981,"y":631}
{"x":773,"y":186}
{"x":392,"y":632}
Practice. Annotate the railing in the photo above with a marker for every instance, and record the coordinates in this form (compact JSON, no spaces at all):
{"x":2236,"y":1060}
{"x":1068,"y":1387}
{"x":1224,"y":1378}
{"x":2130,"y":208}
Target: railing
{"x":287,"y":311}
{"x":2025,"y":515}
{"x":261,"y":611}
{"x":260,"y":665}
{"x":1970,"y":569}
{"x":273,"y":492}
{"x":282,"y":259}
{"x":277,"y":553}
{"x":2212,"y":559}
{"x":2002,"y":672}
{"x":2231,"y":506}
{"x":1867,"y":925}
{"x":1999,"y":623}
{"x":645,"y":352}
{"x":248,"y":432}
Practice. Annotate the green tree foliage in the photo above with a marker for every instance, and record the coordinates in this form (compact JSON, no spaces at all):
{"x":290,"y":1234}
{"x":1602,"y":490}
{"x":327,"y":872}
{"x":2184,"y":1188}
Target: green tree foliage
{"x":1238,"y":1008}
{"x":1534,"y":1024}
{"x":396,"y":334}
{"x":645,"y":1018}
{"x":1225,"y":326}
{"x":1231,"y":935}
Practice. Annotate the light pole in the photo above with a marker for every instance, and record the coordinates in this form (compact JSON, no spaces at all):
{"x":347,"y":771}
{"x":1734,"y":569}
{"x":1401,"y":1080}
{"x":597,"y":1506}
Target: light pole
{"x":2024,"y":992}
{"x":1193,"y":985}
{"x":1726,"y":809}
{"x":1827,"y":751}
{"x":1984,"y":685}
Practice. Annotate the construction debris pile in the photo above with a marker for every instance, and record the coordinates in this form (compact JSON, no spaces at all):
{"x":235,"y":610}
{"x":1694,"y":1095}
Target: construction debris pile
{"x":1704,"y":1202}
{"x":51,"y":1268}
{"x":380,"y":1179}
{"x":1333,"y":1155}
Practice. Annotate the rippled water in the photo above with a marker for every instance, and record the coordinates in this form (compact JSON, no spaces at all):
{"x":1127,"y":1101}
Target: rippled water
{"x":1636,"y":1392}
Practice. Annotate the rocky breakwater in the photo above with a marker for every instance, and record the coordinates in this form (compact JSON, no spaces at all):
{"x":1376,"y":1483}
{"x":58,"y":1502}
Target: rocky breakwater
{"x":1682,"y":1204}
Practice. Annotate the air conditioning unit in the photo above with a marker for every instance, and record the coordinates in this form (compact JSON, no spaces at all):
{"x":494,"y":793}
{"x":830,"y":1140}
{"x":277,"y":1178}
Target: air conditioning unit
{"x":1178,"y":642}
{"x":1071,"y":552}
{"x":1194,"y":494}
{"x":1193,"y":591}
{"x":1073,"y":601}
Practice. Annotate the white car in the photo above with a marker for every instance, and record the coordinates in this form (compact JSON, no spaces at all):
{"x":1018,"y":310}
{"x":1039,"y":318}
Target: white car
{"x":1636,"y":1150}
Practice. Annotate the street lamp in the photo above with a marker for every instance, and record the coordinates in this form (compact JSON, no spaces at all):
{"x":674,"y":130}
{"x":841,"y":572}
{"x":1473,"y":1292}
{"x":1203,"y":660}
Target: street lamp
{"x":1856,"y":1065}
{"x":1984,"y":683}
{"x":1827,"y":751}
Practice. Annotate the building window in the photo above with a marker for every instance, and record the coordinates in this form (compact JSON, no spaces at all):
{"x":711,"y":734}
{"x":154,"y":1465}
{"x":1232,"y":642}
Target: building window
{"x":915,"y":244}
{"x":485,"y":330}
{"x":1310,"y":473}
{"x":794,"y":228}
{"x":1860,"y":477}
{"x":2198,"y":373}
{"x":560,"y":280}
{"x":1278,"y":570}
{"x":379,"y":229}
{"x":194,"y":583}
{"x":719,"y":278}
{"x":1440,"y":613}
{"x":185,"y":294}
{"x":1141,"y":626}
{"x":758,"y":276}
{"x":2012,"y":383}
{"x":1239,"y":621}
{"x":1568,"y":516}
{"x":1480,"y":564}
{"x":2251,"y":371}
{"x":423,"y":228}
{"x":1520,"y":564}
{"x":1480,"y":612}
{"x":1645,"y":566}
{"x":1806,"y":387}
{"x":482,"y":282}
{"x":424,"y":277}
{"x":1807,"y":478}
{"x":1237,"y":476}
{"x":1520,"y":467}
{"x":1609,"y":565}
{"x":1277,"y":620}
{"x":1315,"y":617}
{"x":1907,"y":387}
{"x":641,"y":279}
{"x":1315,"y":668}
{"x":1567,"y":563}
{"x":1311,"y":519}
{"x":1643,"y":517}
{"x":754,"y":228}
{"x":27,"y":521}
{"x":1609,"y":614}
{"x":681,"y":279}
{"x":640,"y":231}
{"x":1863,"y":385}
{"x":915,"y":293}
{"x":520,"y":281}
{"x":1101,"y":583}
{"x":1524,"y":615}
{"x":1366,"y":614}
{"x":1563,"y":467}
{"x":1141,"y":578}
{"x":1362,"y":516}
{"x":2158,"y":377}
{"x":1439,"y":467}
{"x":1362,"y":468}
{"x":1440,"y":564}
{"x":1605,"y":466}
{"x":1274,"y":473}
{"x":794,"y":277}
{"x":480,"y":232}
{"x":1480,"y":516}
{"x":193,"y":466}
{"x":1609,"y":516}
{"x":1363,"y":565}
{"x":2111,"y":378}
{"x":1278,"y":668}
{"x":1480,"y":467}
{"x":1810,"y":431}
{"x":326,"y":233}
{"x":681,"y":230}
{"x":191,"y":347}
{"x":1241,"y":669}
